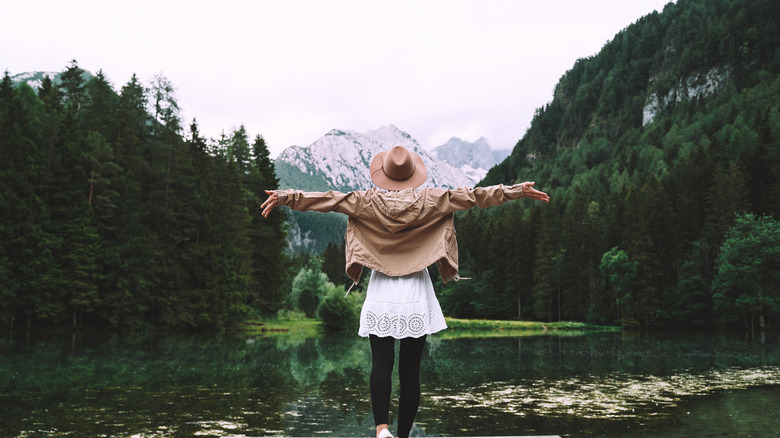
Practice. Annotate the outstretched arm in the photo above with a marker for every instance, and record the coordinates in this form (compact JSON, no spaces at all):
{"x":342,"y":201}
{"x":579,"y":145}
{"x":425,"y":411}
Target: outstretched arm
{"x":346,"y":203}
{"x":462,"y":199}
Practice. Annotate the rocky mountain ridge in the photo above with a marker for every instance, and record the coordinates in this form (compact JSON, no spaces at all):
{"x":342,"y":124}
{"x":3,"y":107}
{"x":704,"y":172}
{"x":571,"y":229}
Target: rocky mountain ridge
{"x":473,"y":159}
{"x":339,"y":160}
{"x":35,"y":78}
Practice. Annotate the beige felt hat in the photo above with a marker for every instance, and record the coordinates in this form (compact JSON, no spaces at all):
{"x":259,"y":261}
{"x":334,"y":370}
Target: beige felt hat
{"x":397,"y":169}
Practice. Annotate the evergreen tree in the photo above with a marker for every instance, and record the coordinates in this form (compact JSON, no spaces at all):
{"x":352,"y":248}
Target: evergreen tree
{"x":548,"y":265}
{"x":100,"y":105}
{"x":238,"y":150}
{"x":165,"y":108}
{"x":268,"y":237}
{"x":28,"y":243}
{"x":334,"y":264}
{"x":129,"y":254}
{"x":691,"y":301}
{"x":79,"y":265}
{"x":73,"y":85}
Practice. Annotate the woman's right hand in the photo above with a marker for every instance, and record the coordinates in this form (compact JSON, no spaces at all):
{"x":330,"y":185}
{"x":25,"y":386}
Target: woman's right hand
{"x":530,"y":192}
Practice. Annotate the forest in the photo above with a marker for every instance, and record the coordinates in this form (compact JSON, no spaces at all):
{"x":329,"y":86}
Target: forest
{"x":112,"y":215}
{"x":661,"y":154}
{"x":664,"y":222}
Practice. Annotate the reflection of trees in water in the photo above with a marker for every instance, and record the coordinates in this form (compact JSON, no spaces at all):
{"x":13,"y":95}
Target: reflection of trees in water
{"x":330,"y":394}
{"x":142,"y":384}
{"x":294,"y":386}
{"x":311,"y":362}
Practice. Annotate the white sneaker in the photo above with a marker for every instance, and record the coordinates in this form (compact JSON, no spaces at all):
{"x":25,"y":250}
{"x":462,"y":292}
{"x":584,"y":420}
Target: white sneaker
{"x":385,"y":434}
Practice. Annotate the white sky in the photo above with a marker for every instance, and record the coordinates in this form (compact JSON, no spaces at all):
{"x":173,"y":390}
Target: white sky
{"x":293,"y":70}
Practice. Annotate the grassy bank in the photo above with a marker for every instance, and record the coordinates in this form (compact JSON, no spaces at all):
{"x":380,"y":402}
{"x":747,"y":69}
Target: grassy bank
{"x":492,"y":324}
{"x":290,"y":327}
{"x":306,"y":327}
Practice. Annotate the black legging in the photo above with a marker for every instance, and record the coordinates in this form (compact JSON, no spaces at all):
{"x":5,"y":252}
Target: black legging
{"x":409,"y":357}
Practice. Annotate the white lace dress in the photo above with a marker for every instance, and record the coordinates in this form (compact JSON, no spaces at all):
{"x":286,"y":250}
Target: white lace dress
{"x":401,"y":307}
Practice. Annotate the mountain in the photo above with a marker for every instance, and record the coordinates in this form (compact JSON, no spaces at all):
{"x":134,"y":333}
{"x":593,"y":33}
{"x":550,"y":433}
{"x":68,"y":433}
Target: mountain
{"x":473,"y":159}
{"x":339,"y":160}
{"x":35,"y":78}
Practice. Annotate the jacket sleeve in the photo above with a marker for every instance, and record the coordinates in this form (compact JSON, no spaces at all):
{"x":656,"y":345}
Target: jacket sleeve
{"x":448,"y":201}
{"x":346,"y":203}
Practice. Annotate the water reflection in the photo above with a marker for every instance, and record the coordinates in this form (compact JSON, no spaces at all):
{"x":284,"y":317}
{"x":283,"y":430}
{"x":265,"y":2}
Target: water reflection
{"x":618,"y":395}
{"x":604,"y":384}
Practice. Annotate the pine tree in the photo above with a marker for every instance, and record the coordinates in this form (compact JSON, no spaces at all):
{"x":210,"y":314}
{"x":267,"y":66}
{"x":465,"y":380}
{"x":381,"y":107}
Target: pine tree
{"x":79,"y":264}
{"x":333,"y":264}
{"x":28,"y":244}
{"x":268,"y":238}
{"x":548,"y":265}
{"x":51,"y":122}
{"x":646,"y":221}
{"x":203,"y":238}
{"x":73,"y":85}
{"x":129,"y":256}
{"x":100,"y":106}
{"x":165,"y":108}
{"x":238,"y":150}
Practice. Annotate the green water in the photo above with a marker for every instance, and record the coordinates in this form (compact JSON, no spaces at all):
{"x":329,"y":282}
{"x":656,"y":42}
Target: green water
{"x":585,"y":384}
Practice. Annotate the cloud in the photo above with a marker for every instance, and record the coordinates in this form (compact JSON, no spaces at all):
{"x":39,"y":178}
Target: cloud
{"x":292,"y":70}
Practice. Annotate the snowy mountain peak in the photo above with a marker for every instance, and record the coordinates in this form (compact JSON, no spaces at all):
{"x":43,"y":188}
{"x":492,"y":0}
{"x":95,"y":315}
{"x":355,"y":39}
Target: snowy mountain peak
{"x":473,"y":159}
{"x":340,"y":160}
{"x":35,"y":78}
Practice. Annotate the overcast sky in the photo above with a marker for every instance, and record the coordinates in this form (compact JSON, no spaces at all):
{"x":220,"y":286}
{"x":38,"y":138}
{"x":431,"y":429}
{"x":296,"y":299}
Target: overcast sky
{"x":293,"y":70}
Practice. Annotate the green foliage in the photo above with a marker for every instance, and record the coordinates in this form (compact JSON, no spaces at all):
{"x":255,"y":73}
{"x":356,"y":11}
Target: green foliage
{"x":652,"y":146}
{"x":312,"y":295}
{"x":619,"y":274}
{"x":498,"y":326}
{"x":690,"y":302}
{"x":300,"y":181}
{"x":309,"y":288}
{"x":746,"y":282}
{"x":291,"y":315}
{"x":333,"y":264}
{"x":109,"y":216}
{"x":337,"y":312}
{"x":328,"y":227}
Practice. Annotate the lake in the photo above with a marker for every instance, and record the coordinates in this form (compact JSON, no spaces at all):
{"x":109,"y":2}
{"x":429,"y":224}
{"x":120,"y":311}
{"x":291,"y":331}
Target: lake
{"x":612,"y":384}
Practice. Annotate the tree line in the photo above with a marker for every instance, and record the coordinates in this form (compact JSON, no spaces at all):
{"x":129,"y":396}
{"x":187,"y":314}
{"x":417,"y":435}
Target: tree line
{"x":671,"y":222}
{"x":111,"y":214}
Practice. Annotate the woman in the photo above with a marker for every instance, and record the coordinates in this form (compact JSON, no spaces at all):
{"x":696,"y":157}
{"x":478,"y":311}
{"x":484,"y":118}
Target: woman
{"x":398,"y":232}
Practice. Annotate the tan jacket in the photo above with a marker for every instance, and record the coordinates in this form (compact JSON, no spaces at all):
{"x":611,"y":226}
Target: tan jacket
{"x":400,"y":232}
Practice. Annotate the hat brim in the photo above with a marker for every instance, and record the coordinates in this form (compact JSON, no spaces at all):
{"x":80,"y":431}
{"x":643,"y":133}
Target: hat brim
{"x":379,"y":177}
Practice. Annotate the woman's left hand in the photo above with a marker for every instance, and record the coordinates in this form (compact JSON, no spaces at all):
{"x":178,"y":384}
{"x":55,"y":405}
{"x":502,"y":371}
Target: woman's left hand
{"x":530,"y":192}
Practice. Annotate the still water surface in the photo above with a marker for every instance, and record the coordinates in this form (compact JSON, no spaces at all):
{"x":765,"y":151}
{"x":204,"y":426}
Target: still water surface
{"x":615,"y":384}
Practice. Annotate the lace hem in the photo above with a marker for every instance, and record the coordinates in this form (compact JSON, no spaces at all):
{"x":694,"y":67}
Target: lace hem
{"x":400,"y":326}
